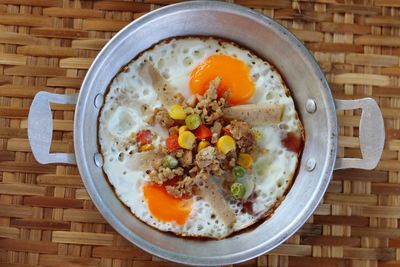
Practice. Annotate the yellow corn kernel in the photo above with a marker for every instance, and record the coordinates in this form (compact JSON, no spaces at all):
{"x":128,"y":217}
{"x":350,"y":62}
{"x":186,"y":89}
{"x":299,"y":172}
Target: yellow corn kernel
{"x":202,"y":144}
{"x":146,"y":147}
{"x":186,"y":140}
{"x":182,"y":129}
{"x":177,"y":112}
{"x":226,"y":144}
{"x":245,"y":160}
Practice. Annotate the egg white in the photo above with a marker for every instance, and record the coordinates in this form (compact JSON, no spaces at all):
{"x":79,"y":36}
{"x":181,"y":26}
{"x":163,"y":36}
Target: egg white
{"x":123,"y":113}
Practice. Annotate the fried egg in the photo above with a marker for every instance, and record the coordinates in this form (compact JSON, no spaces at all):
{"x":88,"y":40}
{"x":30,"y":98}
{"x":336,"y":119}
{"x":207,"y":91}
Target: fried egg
{"x":189,"y":64}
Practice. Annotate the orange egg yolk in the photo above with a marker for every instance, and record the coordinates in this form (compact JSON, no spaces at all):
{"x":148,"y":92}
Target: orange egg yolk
{"x":234,"y":74}
{"x":165,"y":207}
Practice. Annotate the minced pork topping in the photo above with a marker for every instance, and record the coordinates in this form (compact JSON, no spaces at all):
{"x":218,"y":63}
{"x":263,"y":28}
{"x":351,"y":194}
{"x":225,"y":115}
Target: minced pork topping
{"x":200,"y":143}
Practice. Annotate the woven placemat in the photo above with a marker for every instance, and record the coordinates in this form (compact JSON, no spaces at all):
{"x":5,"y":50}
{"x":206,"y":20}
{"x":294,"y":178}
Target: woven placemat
{"x":46,"y":216}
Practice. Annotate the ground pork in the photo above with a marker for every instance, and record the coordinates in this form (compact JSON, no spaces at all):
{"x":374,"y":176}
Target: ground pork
{"x":187,"y":158}
{"x":162,"y":175}
{"x":207,"y":161}
{"x":194,"y":168}
{"x":161,"y":116}
{"x":242,"y":134}
{"x":187,"y":186}
{"x":209,"y":107}
{"x":173,"y":130}
{"x":200,"y":177}
{"x":216,"y":132}
{"x":181,"y":188}
{"x":205,"y":157}
{"x":193,"y":171}
{"x":192,"y":101}
{"x":177,"y":153}
{"x":227,"y":161}
{"x":214,"y":168}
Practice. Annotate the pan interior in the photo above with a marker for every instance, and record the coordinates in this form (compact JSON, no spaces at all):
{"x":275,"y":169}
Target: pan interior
{"x":302,"y":75}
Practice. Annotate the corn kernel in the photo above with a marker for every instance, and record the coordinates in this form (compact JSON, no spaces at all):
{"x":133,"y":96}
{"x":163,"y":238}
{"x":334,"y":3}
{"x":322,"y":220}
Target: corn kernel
{"x":186,"y":140}
{"x":177,"y":112}
{"x":146,"y":147}
{"x":245,"y":160}
{"x":202,"y":144}
{"x":182,"y":129}
{"x":226,"y":144}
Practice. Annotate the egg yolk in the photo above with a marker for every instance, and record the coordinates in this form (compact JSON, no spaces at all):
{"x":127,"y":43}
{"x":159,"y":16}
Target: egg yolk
{"x":165,"y":207}
{"x":234,"y":74}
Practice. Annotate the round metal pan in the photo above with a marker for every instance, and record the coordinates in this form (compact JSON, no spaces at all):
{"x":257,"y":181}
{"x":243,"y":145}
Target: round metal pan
{"x":309,"y":89}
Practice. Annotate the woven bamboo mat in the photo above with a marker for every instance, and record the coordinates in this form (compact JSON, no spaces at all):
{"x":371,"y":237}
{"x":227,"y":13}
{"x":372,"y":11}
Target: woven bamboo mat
{"x":46,"y":216}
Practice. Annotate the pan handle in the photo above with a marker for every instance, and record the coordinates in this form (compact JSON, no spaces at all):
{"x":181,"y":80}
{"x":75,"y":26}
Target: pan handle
{"x":371,"y":134}
{"x":40,"y":127}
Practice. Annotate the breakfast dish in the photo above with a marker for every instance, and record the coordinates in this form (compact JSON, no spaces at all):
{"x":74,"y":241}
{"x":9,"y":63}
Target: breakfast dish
{"x":200,"y":137}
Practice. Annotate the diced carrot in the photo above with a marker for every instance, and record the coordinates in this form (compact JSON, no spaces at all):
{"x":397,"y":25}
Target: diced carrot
{"x":144,"y":137}
{"x":202,"y":133}
{"x":172,"y":142}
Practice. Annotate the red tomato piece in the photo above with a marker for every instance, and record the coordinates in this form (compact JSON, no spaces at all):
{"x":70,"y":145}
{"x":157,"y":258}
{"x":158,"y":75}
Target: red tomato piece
{"x":172,"y":142}
{"x":144,"y":137}
{"x":202,"y":133}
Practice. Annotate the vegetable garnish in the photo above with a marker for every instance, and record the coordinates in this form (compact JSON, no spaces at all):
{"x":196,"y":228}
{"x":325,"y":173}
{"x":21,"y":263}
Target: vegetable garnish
{"x":202,"y":144}
{"x":146,"y":147}
{"x":245,"y":160}
{"x":172,"y":142}
{"x":169,"y":162}
{"x":238,"y":190}
{"x":144,"y":137}
{"x":202,"y":133}
{"x":193,"y":121}
{"x":186,"y":140}
{"x":226,"y":144}
{"x":177,"y":112}
{"x":238,"y":171}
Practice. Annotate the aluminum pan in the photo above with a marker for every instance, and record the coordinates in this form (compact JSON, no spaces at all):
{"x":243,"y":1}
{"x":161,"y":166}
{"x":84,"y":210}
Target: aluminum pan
{"x":303,"y":76}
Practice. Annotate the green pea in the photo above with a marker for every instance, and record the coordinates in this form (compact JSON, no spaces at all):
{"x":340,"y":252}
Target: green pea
{"x":238,"y":190}
{"x":169,"y":162}
{"x":193,"y":121}
{"x":238,"y":171}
